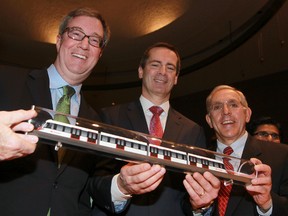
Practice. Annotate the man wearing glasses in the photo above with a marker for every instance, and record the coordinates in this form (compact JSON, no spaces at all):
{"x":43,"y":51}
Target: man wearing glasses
{"x":265,"y":128}
{"x":227,"y":113}
{"x":38,"y":184}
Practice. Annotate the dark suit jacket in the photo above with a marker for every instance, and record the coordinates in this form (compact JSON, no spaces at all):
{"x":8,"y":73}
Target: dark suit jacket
{"x":33,"y":184}
{"x":166,"y":199}
{"x":276,"y":156}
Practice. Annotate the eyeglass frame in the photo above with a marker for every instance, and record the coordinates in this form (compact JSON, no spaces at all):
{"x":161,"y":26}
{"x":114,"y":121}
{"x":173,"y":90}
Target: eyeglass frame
{"x":70,"y":29}
{"x":229,"y":104}
{"x":266,"y":134}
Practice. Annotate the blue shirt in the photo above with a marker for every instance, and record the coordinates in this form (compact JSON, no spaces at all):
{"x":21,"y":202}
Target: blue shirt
{"x":56,"y":82}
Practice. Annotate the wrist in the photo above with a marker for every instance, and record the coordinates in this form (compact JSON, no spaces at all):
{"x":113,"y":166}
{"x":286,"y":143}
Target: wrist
{"x":116,"y":193}
{"x":121,"y":185}
{"x":203,"y":210}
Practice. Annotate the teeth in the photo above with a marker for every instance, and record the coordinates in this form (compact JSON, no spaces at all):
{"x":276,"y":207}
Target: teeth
{"x":79,"y":56}
{"x":227,"y":122}
{"x":160,"y":80}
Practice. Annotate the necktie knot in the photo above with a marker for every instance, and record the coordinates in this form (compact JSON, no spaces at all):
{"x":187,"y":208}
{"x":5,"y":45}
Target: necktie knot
{"x":228,"y":150}
{"x":156,"y":110}
{"x":68,"y":91}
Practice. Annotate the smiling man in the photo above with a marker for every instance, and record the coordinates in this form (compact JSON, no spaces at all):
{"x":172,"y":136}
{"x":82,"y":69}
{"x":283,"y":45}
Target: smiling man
{"x":154,"y":190}
{"x":227,"y":113}
{"x":41,"y":183}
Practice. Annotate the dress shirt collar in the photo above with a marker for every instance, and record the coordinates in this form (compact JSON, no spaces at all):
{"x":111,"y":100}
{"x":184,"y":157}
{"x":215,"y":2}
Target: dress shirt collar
{"x":55,"y":84}
{"x":56,"y":81}
{"x":237,"y":146}
{"x":146,"y":104}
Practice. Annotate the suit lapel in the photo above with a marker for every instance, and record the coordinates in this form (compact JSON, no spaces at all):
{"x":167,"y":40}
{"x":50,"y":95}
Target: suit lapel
{"x":38,"y":83}
{"x":251,"y":149}
{"x":173,"y":126}
{"x":136,"y":117}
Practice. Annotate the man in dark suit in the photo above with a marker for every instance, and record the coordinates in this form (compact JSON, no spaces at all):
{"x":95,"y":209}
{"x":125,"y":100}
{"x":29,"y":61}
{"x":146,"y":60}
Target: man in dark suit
{"x":36,"y":185}
{"x":227,"y":113}
{"x":153,"y":191}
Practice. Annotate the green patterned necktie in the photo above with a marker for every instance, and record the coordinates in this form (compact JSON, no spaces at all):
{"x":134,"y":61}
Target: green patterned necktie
{"x":63,"y":106}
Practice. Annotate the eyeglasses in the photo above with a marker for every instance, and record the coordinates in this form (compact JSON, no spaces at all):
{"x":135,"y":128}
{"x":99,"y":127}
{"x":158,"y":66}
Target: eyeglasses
{"x":265,"y":134}
{"x":78,"y":35}
{"x":231,"y":105}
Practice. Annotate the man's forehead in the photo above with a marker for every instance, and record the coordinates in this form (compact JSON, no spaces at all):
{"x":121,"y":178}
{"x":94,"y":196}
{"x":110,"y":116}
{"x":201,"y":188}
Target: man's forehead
{"x":156,"y":55}
{"x":224,"y":95}
{"x":90,"y":25}
{"x":157,"y":50}
{"x":268,"y":127}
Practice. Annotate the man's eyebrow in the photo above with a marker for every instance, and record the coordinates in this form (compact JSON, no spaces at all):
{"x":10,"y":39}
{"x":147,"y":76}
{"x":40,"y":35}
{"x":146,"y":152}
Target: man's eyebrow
{"x":80,"y":29}
{"x":233,"y":100}
{"x":154,"y":60}
{"x":76,"y":27}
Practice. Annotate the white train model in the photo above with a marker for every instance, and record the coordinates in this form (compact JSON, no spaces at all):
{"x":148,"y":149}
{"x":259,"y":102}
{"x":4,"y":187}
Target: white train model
{"x":134,"y":149}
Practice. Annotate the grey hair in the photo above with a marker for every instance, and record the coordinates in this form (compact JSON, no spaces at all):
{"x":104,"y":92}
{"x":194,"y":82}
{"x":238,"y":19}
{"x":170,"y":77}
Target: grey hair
{"x":221,"y":87}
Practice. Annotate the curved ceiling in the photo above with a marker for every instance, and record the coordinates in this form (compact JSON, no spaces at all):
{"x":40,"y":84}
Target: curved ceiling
{"x":203,"y":31}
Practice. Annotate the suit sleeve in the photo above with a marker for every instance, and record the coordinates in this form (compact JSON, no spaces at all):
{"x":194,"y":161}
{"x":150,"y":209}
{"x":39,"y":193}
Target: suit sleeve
{"x":280,"y":198}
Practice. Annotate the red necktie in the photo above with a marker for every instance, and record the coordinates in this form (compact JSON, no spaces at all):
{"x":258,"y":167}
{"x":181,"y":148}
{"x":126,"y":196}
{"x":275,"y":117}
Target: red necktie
{"x":224,"y":192}
{"x":156,"y":129}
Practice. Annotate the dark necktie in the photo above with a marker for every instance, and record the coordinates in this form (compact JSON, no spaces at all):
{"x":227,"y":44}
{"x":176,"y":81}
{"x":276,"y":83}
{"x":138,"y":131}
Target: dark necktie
{"x":156,"y":129}
{"x":63,"y":106}
{"x":224,"y":192}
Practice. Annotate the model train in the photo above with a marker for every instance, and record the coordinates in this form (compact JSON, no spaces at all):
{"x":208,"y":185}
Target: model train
{"x":112,"y":141}
{"x":133,"y":147}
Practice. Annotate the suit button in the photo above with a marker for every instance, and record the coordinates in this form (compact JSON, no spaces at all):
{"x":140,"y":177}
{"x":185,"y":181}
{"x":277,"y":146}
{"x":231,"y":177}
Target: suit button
{"x":55,"y":185}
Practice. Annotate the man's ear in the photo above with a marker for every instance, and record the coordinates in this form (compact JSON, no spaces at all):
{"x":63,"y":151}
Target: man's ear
{"x":208,"y":120}
{"x":100,"y":54}
{"x":140,"y":72}
{"x":58,"y":42}
{"x":248,"y":114}
{"x":176,"y":80}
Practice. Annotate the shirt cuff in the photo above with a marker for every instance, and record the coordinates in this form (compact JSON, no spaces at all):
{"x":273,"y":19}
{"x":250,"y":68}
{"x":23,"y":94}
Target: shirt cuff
{"x":116,"y":194}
